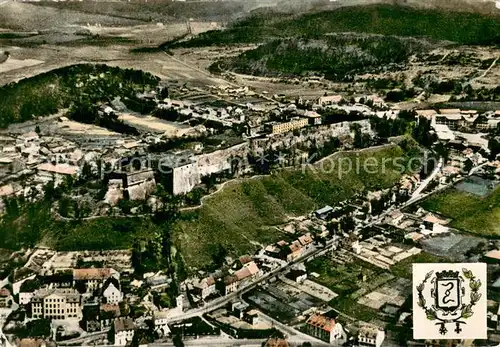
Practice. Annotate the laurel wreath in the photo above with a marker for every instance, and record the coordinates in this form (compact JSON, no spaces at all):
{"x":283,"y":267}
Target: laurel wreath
{"x":467,"y":312}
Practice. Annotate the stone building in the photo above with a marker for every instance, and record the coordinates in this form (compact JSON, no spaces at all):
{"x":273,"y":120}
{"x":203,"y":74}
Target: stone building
{"x":56,"y":304}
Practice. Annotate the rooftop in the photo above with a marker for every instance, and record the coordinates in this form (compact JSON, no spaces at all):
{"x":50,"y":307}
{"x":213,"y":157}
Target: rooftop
{"x":123,"y":324}
{"x":494,"y":254}
{"x":93,"y":274}
{"x":321,"y":321}
{"x":63,"y":169}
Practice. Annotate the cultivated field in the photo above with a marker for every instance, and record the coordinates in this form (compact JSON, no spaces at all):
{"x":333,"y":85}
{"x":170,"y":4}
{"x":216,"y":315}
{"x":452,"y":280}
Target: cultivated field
{"x":155,"y":125}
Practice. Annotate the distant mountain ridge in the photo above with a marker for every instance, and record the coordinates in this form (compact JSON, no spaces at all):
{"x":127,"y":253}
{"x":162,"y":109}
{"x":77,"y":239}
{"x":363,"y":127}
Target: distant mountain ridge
{"x":475,"y":6}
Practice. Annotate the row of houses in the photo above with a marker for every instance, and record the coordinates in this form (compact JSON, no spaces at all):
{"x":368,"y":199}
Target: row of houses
{"x":456,"y":119}
{"x":289,"y":251}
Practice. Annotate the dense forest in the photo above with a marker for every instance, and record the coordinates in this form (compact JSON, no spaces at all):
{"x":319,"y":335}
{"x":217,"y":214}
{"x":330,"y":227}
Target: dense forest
{"x":46,"y":93}
{"x":459,"y":27}
{"x":337,"y":57}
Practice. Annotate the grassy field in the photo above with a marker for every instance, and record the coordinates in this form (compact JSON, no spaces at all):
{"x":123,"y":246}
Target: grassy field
{"x":240,"y":218}
{"x":469,"y":212}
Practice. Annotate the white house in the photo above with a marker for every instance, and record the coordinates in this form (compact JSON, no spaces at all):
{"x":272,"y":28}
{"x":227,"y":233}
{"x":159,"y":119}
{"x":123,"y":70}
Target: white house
{"x":25,"y":297}
{"x":123,"y":329}
{"x":111,"y":292}
{"x":206,"y":287}
{"x":329,"y":100}
{"x":160,"y":320}
{"x":370,"y":336}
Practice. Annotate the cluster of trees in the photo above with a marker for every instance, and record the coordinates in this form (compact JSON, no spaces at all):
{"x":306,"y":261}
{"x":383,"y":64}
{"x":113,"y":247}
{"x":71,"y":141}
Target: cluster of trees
{"x":398,"y":95}
{"x":46,"y":93}
{"x":154,"y":253}
{"x":85,"y":111}
{"x":361,"y":139}
{"x":494,"y":146}
{"x":169,"y":114}
{"x":333,"y":115}
{"x":383,"y":83}
{"x":434,"y":86}
{"x":38,"y":328}
{"x":136,"y":104}
{"x":481,"y":94}
{"x":405,"y":123}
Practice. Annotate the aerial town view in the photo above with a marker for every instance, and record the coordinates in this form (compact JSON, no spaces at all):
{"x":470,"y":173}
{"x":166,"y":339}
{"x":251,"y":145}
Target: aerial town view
{"x":260,"y":173}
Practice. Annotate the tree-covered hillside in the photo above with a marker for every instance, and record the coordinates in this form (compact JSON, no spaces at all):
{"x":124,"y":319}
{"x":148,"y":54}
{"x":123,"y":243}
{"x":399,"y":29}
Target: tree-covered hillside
{"x":46,"y":93}
{"x":337,"y":57}
{"x":460,"y":27}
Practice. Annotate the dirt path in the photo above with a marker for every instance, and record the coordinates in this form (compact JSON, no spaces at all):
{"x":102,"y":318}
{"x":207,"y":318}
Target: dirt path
{"x":484,"y":73}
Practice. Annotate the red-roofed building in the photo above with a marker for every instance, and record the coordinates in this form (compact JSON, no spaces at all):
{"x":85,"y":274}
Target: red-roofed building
{"x":249,"y":271}
{"x":306,"y":240}
{"x":296,"y":250}
{"x":324,"y":328}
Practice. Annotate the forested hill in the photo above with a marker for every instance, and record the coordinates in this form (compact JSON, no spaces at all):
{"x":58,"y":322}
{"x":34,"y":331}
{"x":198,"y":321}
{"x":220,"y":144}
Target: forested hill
{"x":338,"y":58}
{"x":459,"y":27}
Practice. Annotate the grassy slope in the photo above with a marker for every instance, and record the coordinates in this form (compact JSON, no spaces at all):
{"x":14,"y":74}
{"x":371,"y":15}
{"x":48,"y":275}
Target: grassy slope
{"x":35,"y":225}
{"x":243,"y":212}
{"x":469,"y":212}
{"x":466,"y":28}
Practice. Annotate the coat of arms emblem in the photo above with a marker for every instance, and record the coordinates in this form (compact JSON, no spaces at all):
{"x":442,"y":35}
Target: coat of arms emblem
{"x":449,"y":298}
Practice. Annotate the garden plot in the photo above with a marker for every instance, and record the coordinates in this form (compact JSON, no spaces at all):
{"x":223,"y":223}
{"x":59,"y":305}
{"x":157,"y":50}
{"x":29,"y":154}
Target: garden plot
{"x":394,"y":293}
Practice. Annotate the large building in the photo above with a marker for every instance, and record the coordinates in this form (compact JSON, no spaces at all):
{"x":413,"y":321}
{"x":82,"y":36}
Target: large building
{"x":280,"y":128}
{"x":93,"y":279}
{"x":56,"y":303}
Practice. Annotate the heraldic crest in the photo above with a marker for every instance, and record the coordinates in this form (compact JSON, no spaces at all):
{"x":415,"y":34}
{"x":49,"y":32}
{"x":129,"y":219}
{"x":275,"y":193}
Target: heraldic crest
{"x":448,"y":303}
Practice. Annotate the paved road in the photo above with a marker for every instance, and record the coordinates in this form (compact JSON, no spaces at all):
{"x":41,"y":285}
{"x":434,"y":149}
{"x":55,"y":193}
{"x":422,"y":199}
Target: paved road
{"x":428,"y":180}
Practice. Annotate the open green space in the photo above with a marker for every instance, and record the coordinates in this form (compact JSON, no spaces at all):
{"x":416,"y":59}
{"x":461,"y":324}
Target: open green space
{"x":240,"y":218}
{"x":460,"y":27}
{"x":345,"y":280}
{"x":469,"y":212}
